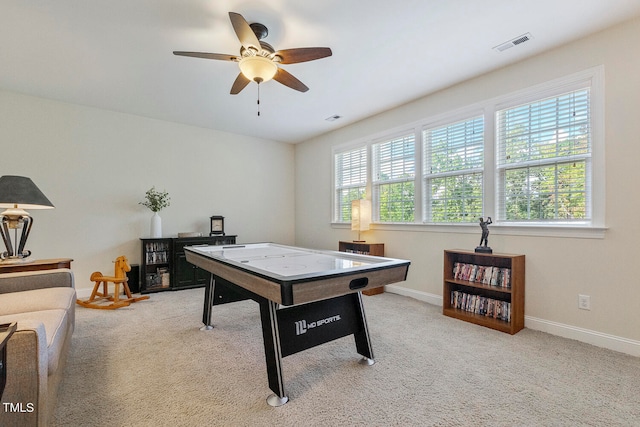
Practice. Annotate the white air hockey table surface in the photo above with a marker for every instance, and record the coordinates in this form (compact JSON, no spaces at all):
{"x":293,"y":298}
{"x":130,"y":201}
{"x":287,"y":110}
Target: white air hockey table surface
{"x":291,"y":275}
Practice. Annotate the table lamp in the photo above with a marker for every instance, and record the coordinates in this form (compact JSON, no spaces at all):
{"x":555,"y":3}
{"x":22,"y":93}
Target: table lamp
{"x":18,"y":193}
{"x":360,"y":216}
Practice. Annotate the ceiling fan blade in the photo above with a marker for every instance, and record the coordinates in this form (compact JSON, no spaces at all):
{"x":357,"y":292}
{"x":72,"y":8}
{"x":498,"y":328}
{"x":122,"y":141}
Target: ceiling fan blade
{"x":287,"y":79}
{"x":304,"y":54}
{"x":244,"y":32}
{"x":240,"y":83}
{"x":204,"y":55}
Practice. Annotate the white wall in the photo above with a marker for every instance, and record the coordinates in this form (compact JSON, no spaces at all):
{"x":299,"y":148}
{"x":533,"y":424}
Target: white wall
{"x":557,"y":269}
{"x":95,"y":166}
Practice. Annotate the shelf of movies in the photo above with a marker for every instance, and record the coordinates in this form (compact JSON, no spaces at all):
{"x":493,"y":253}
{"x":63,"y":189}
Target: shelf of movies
{"x":157,"y":252}
{"x":482,"y":306}
{"x":487,"y":275}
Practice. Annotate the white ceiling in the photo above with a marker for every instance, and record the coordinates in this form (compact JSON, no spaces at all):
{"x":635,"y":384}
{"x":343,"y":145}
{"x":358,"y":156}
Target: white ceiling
{"x":117,"y":54}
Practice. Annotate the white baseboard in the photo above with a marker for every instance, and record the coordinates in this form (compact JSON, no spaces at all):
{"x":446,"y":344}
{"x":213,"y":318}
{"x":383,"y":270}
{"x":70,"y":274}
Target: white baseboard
{"x":599,"y":339}
{"x":419,"y":295}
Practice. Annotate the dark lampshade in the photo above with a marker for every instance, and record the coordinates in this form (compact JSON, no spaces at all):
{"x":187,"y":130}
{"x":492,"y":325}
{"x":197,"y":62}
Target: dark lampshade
{"x":18,"y":193}
{"x":21,"y":192}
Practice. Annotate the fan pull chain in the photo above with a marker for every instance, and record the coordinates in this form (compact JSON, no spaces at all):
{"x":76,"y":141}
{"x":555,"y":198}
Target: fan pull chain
{"x":258,"y":99}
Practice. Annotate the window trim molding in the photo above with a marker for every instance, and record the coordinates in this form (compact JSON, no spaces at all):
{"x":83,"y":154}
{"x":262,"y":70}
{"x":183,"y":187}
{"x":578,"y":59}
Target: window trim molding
{"x":541,"y":230}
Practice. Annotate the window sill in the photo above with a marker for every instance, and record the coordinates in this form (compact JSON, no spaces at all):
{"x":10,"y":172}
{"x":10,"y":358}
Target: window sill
{"x":576,"y":232}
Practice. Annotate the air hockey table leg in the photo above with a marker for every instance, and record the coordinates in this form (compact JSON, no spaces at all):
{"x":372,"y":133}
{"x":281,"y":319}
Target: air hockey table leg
{"x":208,"y":304}
{"x":273,"y":352}
{"x":362,"y":338}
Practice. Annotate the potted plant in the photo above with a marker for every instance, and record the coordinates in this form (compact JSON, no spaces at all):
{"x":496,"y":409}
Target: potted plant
{"x":156,"y":201}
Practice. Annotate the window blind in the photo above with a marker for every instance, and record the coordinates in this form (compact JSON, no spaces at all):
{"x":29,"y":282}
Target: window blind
{"x":544,"y":159}
{"x":395,"y":159}
{"x":453,"y":171}
{"x":393,"y":183}
{"x":350,"y":181}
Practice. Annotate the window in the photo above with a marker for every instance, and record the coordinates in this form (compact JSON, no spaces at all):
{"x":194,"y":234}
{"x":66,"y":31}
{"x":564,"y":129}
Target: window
{"x":453,"y":171}
{"x":393,"y":179}
{"x":544,"y":159}
{"x":533,"y":160}
{"x":350,"y":180}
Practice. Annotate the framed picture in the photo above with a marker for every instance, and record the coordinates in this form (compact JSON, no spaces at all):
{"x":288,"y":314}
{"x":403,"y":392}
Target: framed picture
{"x":217,"y":226}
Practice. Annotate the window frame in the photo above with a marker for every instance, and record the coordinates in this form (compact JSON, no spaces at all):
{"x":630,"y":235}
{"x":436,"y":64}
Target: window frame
{"x":594,"y":80}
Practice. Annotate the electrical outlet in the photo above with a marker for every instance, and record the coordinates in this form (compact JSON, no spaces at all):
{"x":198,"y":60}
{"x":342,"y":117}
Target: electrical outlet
{"x":584,"y":302}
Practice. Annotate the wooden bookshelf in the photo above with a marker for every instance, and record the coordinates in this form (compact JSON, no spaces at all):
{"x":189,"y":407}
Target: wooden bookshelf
{"x":364,"y":248}
{"x":495,"y":293}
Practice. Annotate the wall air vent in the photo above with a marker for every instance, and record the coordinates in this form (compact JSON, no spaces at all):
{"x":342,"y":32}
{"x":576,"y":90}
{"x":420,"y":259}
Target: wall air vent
{"x":514,"y":42}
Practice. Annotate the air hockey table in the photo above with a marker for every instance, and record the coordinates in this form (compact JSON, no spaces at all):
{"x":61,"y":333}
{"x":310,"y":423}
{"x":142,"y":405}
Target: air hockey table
{"x":306,"y":297}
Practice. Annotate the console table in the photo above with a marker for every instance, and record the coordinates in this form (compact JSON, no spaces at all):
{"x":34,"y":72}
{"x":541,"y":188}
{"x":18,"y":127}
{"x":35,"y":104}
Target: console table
{"x":165,"y":266}
{"x":39,"y":264}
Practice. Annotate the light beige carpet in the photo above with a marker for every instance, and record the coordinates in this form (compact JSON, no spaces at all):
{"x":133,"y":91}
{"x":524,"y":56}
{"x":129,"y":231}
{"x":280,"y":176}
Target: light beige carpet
{"x":149,"y":365}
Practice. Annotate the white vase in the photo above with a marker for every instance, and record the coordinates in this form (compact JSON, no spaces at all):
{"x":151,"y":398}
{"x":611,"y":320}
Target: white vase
{"x":156,"y":226}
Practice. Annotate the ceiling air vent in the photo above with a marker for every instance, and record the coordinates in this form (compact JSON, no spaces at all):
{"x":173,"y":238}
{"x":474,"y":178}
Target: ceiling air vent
{"x":515,"y":42}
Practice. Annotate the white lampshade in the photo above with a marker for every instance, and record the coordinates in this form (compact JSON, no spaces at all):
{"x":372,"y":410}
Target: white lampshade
{"x":360,"y":215}
{"x":258,"y":68}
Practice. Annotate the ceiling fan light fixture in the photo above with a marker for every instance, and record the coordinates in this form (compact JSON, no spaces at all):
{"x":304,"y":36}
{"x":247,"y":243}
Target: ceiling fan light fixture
{"x":258,"y":68}
{"x":258,"y":60}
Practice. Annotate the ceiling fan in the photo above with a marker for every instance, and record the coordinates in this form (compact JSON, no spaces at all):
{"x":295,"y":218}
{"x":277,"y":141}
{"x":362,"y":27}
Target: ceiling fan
{"x":258,"y":60}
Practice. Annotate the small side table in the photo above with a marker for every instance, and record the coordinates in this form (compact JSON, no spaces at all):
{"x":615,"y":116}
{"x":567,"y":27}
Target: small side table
{"x":6,"y":330}
{"x":39,"y":264}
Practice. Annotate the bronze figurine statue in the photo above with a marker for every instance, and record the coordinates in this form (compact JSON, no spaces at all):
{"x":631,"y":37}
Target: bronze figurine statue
{"x":484,"y":240}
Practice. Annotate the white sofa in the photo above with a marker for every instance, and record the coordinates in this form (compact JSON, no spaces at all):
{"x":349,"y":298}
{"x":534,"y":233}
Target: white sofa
{"x":43,"y":305}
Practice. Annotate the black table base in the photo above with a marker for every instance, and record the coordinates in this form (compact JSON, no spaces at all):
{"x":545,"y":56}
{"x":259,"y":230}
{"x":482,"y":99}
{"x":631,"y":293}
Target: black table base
{"x":287,"y":330}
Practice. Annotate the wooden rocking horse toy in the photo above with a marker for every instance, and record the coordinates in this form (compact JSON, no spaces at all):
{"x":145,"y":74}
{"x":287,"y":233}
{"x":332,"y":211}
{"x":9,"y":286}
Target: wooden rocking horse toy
{"x":120,"y":278}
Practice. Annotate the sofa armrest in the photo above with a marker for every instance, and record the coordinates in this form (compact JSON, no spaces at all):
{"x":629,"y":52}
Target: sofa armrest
{"x":26,"y":375}
{"x":28,"y":280}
